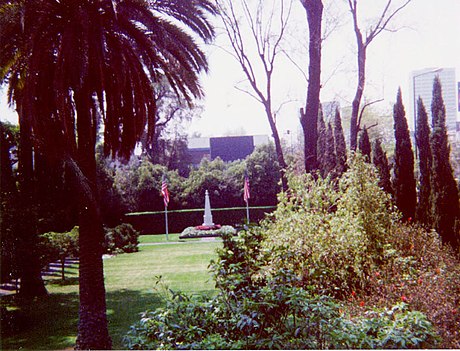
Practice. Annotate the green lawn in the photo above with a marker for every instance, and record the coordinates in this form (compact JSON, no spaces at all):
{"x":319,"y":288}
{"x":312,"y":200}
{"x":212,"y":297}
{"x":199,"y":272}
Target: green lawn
{"x":160,"y":238}
{"x":51,"y":323}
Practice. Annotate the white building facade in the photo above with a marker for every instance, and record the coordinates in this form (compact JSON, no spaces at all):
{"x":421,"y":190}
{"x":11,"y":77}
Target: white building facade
{"x":422,"y":86}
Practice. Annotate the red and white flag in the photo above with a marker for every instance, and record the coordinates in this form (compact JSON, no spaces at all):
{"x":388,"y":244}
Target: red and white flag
{"x":246,"y":194}
{"x":164,"y":191}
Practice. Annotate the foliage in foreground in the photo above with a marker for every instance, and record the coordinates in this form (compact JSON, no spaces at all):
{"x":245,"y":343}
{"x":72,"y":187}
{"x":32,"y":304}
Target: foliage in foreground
{"x":331,"y":235}
{"x":340,"y":239}
{"x":253,"y":313}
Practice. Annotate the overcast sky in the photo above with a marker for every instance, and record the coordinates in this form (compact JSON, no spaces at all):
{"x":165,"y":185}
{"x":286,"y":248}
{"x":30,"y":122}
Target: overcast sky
{"x":429,"y":37}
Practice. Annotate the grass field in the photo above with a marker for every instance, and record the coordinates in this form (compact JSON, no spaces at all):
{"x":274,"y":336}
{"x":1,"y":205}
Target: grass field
{"x":156,"y":238}
{"x":51,"y":322}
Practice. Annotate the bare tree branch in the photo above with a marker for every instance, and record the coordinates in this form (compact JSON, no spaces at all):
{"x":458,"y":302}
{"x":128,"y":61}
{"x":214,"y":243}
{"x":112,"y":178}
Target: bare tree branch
{"x":248,"y":92}
{"x":364,"y":107}
{"x":258,"y":65}
{"x":386,"y":15}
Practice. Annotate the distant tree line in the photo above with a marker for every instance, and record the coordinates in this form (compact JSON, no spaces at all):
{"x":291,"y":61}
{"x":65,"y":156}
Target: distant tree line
{"x":136,"y":185}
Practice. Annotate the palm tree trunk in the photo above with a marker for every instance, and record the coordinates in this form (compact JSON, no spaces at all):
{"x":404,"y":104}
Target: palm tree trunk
{"x":92,"y":327}
{"x":32,"y":284}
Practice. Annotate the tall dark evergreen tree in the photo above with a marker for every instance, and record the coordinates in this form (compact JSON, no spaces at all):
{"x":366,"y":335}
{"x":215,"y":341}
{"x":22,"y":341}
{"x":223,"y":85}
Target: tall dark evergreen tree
{"x":380,"y":161}
{"x":423,"y":213}
{"x":404,"y":180}
{"x":364,"y":145}
{"x":340,"y":145}
{"x":330,"y":157}
{"x":445,"y":200}
{"x":321,"y":143}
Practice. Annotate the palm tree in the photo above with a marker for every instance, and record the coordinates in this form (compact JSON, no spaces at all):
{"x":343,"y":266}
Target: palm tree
{"x":12,"y":72}
{"x":92,"y":63}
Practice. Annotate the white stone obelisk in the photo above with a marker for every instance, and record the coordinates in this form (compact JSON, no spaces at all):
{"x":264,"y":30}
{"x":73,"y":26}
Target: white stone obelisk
{"x":207,"y":211}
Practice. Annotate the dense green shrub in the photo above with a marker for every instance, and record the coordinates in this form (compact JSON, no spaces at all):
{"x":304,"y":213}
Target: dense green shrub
{"x":121,"y":239}
{"x":332,"y":236}
{"x":425,"y":273}
{"x":251,"y":312}
{"x":394,"y":328}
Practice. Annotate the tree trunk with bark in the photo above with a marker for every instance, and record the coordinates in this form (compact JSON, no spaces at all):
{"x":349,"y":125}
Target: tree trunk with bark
{"x":92,"y":326}
{"x":354,"y":125}
{"x":32,"y":284}
{"x":278,"y":148}
{"x":309,"y":115}
{"x":388,"y":12}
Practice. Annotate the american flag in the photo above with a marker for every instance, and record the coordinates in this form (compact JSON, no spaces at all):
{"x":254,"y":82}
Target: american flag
{"x":246,"y":194}
{"x":164,"y":191}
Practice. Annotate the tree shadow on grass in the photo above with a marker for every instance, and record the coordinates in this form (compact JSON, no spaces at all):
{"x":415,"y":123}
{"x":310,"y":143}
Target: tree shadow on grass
{"x":124,"y":308}
{"x":46,"y":323}
{"x":50,"y":323}
{"x":66,"y":282}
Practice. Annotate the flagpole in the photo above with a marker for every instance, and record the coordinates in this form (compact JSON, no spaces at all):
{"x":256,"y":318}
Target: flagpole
{"x":165,"y":193}
{"x":247,"y":210}
{"x":246,"y":194}
{"x":166,"y":221}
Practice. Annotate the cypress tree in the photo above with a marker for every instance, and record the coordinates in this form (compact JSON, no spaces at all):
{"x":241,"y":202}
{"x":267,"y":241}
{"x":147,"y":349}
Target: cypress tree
{"x":380,"y":162}
{"x":340,"y":146}
{"x":404,"y":180}
{"x":364,"y":145}
{"x":329,"y":157}
{"x":445,"y":200}
{"x":321,"y":143}
{"x":423,"y":212}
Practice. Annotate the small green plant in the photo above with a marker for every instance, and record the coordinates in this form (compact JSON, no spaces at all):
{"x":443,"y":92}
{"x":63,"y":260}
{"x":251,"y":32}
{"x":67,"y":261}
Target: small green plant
{"x":393,"y":328}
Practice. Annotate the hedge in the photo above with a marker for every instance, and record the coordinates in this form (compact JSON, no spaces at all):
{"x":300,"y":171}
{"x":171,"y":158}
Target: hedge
{"x":178,"y":220}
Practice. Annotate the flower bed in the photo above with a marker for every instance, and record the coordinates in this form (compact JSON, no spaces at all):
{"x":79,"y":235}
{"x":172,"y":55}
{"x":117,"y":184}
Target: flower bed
{"x":202,"y":231}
